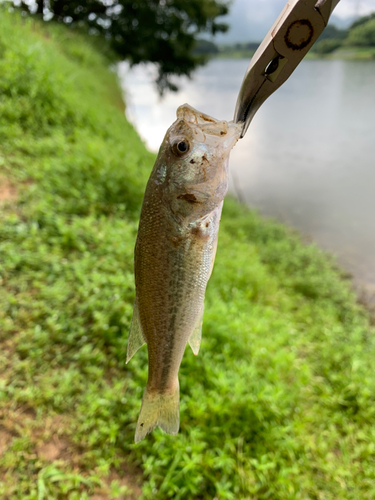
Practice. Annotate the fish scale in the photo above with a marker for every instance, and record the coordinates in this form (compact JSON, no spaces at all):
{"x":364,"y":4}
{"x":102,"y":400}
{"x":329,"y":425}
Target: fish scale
{"x":174,"y":255}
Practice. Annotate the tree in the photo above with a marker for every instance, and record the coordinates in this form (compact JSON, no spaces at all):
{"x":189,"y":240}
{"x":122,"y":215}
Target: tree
{"x":164,"y":32}
{"x":333,"y":33}
{"x":327,"y":46}
{"x":363,"y":34}
{"x":362,"y":20}
{"x":205,"y":47}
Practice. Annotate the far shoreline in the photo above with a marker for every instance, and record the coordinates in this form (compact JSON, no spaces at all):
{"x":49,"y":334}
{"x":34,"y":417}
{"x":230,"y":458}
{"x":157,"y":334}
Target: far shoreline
{"x":346,"y":53}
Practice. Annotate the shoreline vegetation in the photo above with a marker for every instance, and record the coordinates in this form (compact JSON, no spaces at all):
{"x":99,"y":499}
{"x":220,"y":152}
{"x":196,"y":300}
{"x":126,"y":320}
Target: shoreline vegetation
{"x":347,"y":53}
{"x":357,"y":42}
{"x":278,"y":404}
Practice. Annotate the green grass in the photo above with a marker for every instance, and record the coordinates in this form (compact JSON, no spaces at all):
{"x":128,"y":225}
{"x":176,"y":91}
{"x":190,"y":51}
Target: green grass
{"x":278,"y":405}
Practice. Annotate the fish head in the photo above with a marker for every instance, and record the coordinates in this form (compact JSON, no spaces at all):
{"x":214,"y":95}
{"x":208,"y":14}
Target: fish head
{"x":192,"y":164}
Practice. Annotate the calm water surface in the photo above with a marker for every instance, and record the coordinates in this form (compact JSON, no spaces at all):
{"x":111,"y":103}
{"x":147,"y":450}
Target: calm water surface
{"x":308,"y":158}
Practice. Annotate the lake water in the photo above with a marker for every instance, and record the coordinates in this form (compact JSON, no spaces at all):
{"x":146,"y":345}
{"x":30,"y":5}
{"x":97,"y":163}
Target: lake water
{"x":308,"y":158}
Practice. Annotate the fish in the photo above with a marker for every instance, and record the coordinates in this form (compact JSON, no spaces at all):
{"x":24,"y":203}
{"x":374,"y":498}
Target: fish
{"x":174,"y":255}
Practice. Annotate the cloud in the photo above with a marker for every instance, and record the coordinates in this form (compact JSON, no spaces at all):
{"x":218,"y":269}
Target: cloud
{"x":350,"y":8}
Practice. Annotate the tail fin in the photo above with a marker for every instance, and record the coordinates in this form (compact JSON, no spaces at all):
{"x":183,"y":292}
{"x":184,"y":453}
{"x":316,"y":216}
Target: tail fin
{"x":159,"y":409}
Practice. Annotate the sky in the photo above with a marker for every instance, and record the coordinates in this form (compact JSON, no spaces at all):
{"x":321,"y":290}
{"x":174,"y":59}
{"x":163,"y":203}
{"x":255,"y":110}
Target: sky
{"x":250,"y":20}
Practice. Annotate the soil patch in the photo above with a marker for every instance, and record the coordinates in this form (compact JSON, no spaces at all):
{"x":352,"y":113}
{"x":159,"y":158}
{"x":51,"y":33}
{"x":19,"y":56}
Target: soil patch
{"x":5,"y":439}
{"x":8,"y":192}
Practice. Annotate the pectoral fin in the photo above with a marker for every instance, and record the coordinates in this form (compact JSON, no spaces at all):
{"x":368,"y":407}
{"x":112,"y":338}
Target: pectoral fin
{"x":136,"y":337}
{"x":196,"y":337}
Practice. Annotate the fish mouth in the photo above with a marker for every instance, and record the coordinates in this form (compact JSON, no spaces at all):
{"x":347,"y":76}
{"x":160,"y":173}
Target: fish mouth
{"x":207,"y":129}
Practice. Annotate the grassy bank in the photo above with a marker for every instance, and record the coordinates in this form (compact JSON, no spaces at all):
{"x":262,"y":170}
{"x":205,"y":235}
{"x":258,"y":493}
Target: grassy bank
{"x":280,"y":401}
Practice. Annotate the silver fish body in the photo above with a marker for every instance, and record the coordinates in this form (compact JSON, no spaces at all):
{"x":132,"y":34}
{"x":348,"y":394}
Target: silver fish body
{"x":174,"y":255}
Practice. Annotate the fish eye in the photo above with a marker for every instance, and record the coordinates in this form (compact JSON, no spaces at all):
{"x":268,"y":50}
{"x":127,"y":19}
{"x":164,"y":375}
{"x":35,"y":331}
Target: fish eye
{"x":181,"y":147}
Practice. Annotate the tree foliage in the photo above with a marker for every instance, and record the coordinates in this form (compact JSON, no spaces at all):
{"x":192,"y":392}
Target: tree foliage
{"x":362,"y":20}
{"x":363,"y":34}
{"x":327,"y":46}
{"x":360,"y":34}
{"x":164,"y":32}
{"x":331,"y":32}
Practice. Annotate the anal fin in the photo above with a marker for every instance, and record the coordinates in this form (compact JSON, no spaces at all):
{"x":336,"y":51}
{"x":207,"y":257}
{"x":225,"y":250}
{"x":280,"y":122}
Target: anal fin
{"x":136,"y":337}
{"x":196,"y":336}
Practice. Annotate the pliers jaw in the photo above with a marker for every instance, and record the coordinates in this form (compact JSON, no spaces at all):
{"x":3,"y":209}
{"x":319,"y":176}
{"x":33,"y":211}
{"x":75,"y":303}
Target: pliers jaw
{"x":290,"y":38}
